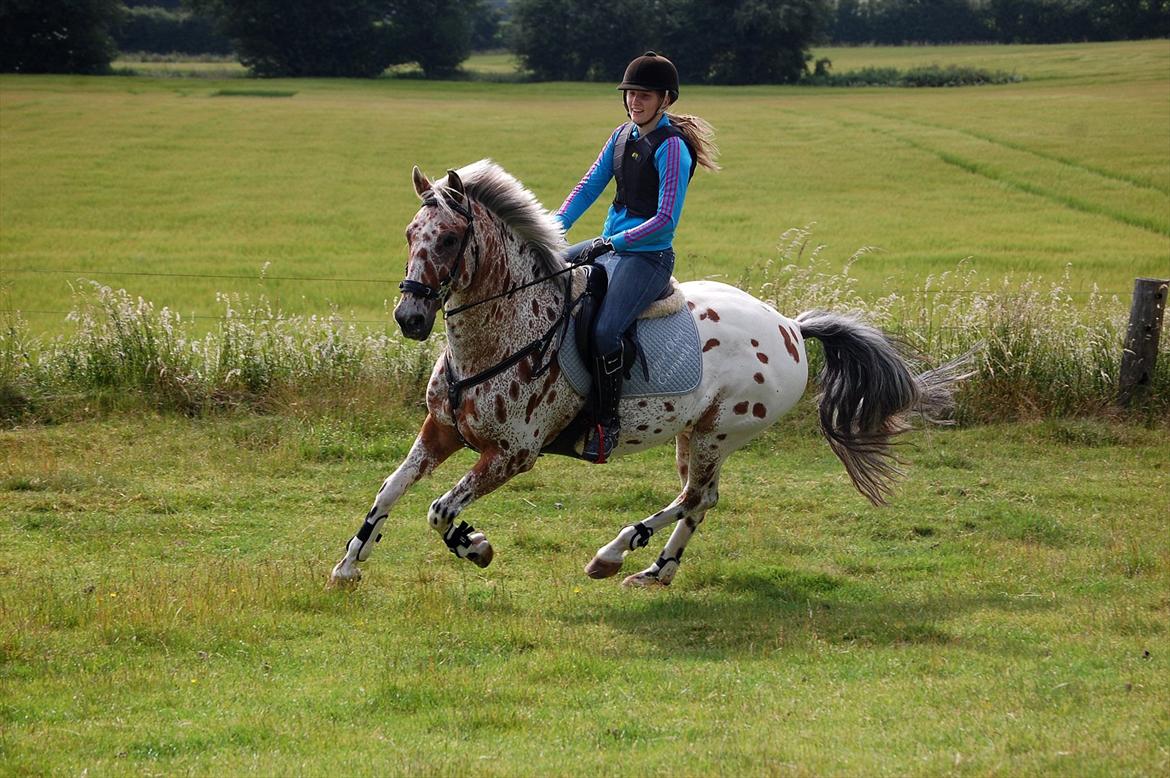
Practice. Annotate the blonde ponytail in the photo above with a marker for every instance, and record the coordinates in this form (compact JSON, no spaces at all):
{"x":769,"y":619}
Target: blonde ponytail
{"x":700,"y":136}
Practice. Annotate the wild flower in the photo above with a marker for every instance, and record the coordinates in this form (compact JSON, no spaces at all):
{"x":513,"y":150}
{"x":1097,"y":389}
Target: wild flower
{"x":1037,"y":350}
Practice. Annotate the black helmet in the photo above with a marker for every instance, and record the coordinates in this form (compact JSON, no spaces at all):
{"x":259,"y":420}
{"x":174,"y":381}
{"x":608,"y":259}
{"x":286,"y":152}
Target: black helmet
{"x":653,"y":73}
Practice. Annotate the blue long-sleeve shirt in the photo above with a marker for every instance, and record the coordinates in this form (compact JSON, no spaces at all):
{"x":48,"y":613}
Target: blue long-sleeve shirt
{"x":624,"y":231}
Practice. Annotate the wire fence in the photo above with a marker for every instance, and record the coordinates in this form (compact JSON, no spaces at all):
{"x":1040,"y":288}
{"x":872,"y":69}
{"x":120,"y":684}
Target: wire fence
{"x":264,"y":277}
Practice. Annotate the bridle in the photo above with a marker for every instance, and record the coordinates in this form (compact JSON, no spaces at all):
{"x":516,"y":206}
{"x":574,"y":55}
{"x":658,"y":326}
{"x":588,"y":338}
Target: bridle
{"x":443,"y":291}
{"x":540,"y":346}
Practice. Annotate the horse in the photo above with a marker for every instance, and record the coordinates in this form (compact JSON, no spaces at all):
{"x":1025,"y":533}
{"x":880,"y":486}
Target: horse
{"x":483,"y":249}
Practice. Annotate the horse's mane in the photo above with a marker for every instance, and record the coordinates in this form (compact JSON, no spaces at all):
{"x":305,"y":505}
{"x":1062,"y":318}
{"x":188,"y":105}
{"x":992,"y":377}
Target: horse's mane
{"x":498,"y":191}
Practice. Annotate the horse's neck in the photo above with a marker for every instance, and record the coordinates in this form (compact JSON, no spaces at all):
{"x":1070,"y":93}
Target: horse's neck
{"x":485,"y":334}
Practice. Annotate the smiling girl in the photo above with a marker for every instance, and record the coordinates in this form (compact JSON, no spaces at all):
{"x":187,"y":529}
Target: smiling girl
{"x":653,"y":157}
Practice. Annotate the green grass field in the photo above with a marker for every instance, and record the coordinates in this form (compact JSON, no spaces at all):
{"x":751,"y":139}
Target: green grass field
{"x":162,"y":599}
{"x":163,"y":610}
{"x":202,"y":186}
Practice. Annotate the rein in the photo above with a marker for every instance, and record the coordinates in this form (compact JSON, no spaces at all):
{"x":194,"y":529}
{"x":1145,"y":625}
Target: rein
{"x":540,"y":346}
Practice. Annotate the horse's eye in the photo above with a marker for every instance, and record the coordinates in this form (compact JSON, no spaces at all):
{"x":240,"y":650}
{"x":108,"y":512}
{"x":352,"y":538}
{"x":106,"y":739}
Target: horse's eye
{"x":448,"y":241}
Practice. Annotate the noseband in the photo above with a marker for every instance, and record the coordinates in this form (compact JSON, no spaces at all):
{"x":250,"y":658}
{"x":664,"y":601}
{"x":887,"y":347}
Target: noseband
{"x":425,"y":292}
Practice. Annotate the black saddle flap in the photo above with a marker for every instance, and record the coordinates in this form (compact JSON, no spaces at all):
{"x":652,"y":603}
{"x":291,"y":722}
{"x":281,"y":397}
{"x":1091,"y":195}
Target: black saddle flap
{"x":596,"y":285}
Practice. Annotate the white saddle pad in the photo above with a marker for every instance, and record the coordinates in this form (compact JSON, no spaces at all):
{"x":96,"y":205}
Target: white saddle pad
{"x":671,"y":345}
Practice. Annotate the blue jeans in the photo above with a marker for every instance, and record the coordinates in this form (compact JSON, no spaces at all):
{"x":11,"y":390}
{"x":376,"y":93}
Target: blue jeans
{"x":636,"y":279}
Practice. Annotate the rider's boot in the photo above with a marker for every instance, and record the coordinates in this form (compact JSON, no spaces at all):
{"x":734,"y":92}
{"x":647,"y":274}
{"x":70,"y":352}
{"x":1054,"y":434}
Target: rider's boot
{"x":607,"y":380}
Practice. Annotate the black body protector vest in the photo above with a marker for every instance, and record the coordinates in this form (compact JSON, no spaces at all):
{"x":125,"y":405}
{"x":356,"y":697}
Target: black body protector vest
{"x":634,"y":169}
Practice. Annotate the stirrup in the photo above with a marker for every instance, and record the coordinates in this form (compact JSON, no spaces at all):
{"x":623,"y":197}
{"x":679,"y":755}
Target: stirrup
{"x":603,"y":439}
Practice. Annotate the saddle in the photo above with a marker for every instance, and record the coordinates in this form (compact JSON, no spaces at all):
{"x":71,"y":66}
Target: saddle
{"x":591,"y":289}
{"x":666,"y":342}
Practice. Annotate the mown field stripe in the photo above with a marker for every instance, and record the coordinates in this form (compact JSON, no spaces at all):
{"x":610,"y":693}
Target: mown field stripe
{"x":991,"y":174}
{"x":1121,"y":177}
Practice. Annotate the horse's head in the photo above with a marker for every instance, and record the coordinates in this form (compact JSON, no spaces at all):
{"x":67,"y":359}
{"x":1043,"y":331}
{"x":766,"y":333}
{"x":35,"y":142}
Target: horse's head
{"x":438,"y":240}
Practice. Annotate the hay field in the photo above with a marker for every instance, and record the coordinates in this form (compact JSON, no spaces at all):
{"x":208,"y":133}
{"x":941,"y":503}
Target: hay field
{"x":179,"y":188}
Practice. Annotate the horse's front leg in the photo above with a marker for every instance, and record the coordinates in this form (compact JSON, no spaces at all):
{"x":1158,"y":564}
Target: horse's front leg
{"x":494,"y":468}
{"x":436,"y":441}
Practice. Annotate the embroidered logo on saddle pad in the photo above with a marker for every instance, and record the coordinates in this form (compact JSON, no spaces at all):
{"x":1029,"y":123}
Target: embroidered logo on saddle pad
{"x":671,"y":346}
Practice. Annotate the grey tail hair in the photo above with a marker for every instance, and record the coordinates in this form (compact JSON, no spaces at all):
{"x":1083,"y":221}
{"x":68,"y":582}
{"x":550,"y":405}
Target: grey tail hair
{"x":868,"y":395}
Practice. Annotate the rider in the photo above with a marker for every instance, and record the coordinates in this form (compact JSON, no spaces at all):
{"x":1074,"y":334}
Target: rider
{"x":653,"y":157}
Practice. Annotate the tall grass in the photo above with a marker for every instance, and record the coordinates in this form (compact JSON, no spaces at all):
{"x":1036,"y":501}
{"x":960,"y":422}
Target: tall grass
{"x":125,"y":353}
{"x":1037,"y":352}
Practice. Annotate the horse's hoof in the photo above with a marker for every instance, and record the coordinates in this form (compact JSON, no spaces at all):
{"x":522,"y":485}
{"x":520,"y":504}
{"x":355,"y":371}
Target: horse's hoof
{"x":483,"y":554}
{"x":600,"y":568}
{"x":344,"y":575}
{"x":644,"y":580}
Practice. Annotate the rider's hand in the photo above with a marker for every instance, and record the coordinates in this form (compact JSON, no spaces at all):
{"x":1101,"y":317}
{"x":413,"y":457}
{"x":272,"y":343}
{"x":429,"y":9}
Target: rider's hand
{"x":599,"y":247}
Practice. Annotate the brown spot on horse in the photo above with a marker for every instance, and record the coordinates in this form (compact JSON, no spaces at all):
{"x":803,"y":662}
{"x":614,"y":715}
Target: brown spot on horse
{"x":706,"y":422}
{"x":788,"y":344}
{"x":759,"y":378}
{"x":762,"y":357}
{"x":712,"y":343}
{"x":759,"y":411}
{"x":741,"y":408}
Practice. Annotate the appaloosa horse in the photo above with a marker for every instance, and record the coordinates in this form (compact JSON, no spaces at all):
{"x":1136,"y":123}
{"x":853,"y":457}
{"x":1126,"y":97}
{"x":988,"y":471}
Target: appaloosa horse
{"x":484,"y":249}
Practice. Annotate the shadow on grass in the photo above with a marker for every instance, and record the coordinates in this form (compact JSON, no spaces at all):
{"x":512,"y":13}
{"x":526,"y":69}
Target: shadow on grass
{"x":747,"y":612}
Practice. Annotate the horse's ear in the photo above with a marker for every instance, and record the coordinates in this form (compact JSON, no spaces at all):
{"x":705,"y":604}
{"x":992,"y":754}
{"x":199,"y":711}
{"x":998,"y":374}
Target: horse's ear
{"x":421,"y":184}
{"x":455,"y":183}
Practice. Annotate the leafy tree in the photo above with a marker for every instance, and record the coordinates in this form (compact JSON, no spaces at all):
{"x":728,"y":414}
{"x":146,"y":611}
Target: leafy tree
{"x":57,"y":36}
{"x":1020,"y":21}
{"x":159,"y":29}
{"x":436,"y":33}
{"x":580,"y":40}
{"x":743,"y":41}
{"x":710,"y":41}
{"x":486,"y":26}
{"x":352,"y":38}
{"x":307,"y":38}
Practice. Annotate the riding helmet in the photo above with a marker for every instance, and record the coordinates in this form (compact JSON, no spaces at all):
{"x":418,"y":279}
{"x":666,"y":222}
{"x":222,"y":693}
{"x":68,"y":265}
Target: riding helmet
{"x":653,"y":73}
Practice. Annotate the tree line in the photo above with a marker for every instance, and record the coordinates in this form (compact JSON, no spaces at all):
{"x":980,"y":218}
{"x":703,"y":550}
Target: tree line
{"x":1000,"y":21}
{"x":711,"y":41}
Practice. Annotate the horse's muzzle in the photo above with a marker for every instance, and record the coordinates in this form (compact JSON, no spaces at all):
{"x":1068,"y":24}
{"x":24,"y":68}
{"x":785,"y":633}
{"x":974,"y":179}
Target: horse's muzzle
{"x":415,"y":318}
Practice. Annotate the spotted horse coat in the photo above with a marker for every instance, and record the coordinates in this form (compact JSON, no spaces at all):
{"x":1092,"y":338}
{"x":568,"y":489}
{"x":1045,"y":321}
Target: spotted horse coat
{"x":479,"y":234}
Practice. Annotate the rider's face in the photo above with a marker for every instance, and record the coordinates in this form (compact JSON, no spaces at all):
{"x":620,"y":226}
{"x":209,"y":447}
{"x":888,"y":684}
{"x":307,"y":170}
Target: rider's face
{"x":644,"y":105}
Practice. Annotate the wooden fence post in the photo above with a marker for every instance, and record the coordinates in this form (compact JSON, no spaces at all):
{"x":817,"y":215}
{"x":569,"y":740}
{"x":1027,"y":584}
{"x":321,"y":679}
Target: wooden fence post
{"x":1141,"y":341}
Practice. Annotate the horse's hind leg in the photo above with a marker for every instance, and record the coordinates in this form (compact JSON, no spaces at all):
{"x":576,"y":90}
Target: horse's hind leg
{"x":608,"y":559}
{"x":698,"y":499}
{"x":435,"y":442}
{"x":707,"y":451}
{"x":699,"y":494}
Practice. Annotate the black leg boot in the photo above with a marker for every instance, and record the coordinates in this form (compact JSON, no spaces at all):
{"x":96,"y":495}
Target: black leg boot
{"x":607,"y":380}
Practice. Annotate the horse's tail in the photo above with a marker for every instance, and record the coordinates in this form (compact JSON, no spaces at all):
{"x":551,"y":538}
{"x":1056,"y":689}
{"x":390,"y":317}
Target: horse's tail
{"x":868,"y":393}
